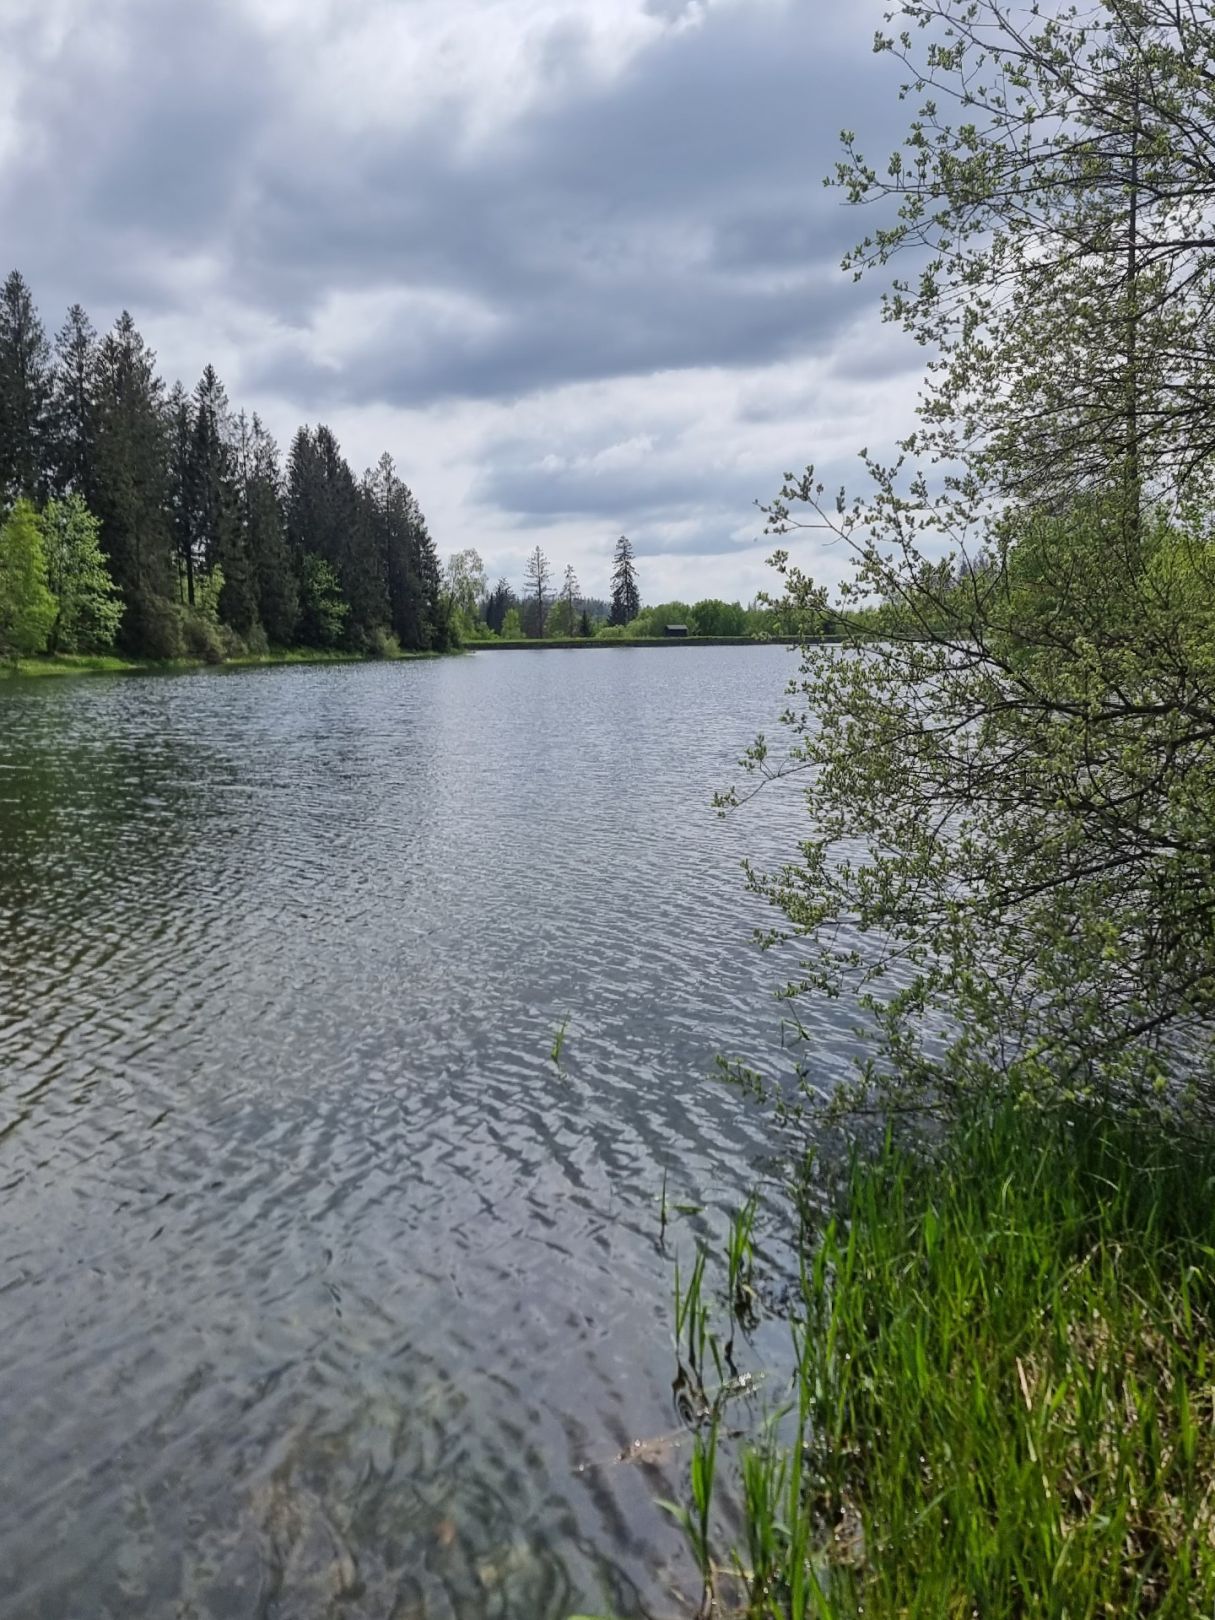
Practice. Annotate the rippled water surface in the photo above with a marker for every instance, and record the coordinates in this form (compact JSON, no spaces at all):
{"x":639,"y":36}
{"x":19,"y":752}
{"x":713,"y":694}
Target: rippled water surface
{"x":322,"y":1290}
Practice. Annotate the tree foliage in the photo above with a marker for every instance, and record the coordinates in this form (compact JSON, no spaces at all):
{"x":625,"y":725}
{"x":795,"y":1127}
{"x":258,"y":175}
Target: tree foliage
{"x":563,"y":621}
{"x":537,"y":576}
{"x":88,"y":610}
{"x":323,"y":609}
{"x":183,"y":487}
{"x":27,"y":608}
{"x":713,"y":617}
{"x":1012,"y":848}
{"x":626,"y":598}
{"x":498,"y":604}
{"x":25,"y":393}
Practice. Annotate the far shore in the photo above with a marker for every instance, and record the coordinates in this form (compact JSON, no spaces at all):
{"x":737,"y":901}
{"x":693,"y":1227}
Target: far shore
{"x":78,"y":664}
{"x":588,"y":642}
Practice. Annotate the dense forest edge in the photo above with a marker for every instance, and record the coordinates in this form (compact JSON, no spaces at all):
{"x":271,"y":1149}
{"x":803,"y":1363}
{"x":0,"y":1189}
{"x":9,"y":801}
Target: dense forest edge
{"x":1001,"y":1311}
{"x":144,"y":522}
{"x":142,"y":525}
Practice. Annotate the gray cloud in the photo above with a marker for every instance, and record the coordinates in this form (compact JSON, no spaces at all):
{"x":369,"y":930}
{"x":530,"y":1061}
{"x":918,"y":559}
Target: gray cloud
{"x":662,"y":217}
{"x":533,"y":493}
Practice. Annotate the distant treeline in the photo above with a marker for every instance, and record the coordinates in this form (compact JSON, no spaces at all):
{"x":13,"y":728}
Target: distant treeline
{"x":539,"y":611}
{"x":212,"y":547}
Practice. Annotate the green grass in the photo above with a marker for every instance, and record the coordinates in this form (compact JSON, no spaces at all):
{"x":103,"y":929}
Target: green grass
{"x":1005,"y":1397}
{"x":112,"y":664}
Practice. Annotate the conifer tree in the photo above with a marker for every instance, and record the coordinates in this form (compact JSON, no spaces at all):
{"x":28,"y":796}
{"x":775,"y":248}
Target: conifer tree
{"x":180,"y":429}
{"x":626,"y":599}
{"x":216,"y":534}
{"x":537,"y":573}
{"x":425,"y":558}
{"x":571,"y":591}
{"x":72,"y":414}
{"x":25,"y":393}
{"x":131,"y":492}
{"x":387,"y":517}
{"x":497,"y":604}
{"x":261,"y":519}
{"x":305,"y":500}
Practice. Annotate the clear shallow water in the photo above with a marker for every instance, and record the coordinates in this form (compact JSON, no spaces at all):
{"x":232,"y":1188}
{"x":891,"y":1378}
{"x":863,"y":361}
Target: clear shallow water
{"x":322,"y":1292}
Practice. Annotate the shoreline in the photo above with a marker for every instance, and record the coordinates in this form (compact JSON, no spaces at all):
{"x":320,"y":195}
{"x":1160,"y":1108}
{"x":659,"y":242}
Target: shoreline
{"x":57,"y":666}
{"x":582,"y":643}
{"x":61,"y":665}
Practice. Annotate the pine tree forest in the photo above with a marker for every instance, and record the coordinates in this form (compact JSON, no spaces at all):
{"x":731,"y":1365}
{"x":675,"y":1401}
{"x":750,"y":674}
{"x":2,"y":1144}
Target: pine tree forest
{"x":168,"y":523}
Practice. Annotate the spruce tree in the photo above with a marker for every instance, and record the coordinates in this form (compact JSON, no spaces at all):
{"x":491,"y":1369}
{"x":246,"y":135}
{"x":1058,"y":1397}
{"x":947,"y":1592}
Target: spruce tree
{"x":216,"y":534}
{"x":131,"y":489}
{"x":180,"y":424}
{"x":265,"y":538}
{"x":387,"y":504}
{"x":414,"y":578}
{"x":25,"y":393}
{"x":72,"y":412}
{"x":498,"y":603}
{"x":537,"y":573}
{"x":626,"y":600}
{"x":425,"y":560}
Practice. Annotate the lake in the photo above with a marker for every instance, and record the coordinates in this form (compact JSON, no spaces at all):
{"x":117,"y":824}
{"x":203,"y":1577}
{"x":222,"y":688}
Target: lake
{"x":323,"y":1289}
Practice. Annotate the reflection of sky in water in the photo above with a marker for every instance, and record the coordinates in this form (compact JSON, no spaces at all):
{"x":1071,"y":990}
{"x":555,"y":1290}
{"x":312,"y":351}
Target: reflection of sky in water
{"x":319,"y":1285}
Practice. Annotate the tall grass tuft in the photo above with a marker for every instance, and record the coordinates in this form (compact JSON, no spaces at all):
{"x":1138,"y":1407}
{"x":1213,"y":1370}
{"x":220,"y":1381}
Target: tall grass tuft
{"x":1004,"y":1402}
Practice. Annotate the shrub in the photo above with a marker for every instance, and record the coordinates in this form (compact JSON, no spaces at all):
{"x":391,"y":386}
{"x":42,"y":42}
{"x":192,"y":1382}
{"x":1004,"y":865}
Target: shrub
{"x":152,"y":627}
{"x":201,"y":637}
{"x":382,"y":643}
{"x":234,"y":645}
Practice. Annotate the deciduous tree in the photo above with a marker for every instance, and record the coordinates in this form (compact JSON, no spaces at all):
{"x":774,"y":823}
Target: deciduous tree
{"x":27,"y":608}
{"x":1012,"y":855}
{"x":88,"y":607}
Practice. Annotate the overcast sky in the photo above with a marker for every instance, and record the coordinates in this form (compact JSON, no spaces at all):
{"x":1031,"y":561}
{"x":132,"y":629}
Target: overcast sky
{"x":571,"y":261}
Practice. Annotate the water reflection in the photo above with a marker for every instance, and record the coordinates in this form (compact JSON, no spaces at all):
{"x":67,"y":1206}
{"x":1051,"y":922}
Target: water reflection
{"x":321,"y":1289}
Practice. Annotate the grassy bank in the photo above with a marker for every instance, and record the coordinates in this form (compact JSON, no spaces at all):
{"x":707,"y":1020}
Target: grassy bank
{"x":1005,"y":1404}
{"x":112,"y":664}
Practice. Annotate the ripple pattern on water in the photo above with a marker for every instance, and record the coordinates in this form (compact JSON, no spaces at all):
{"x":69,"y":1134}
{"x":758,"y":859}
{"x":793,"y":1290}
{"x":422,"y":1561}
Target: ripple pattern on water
{"x":322,"y":1290}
